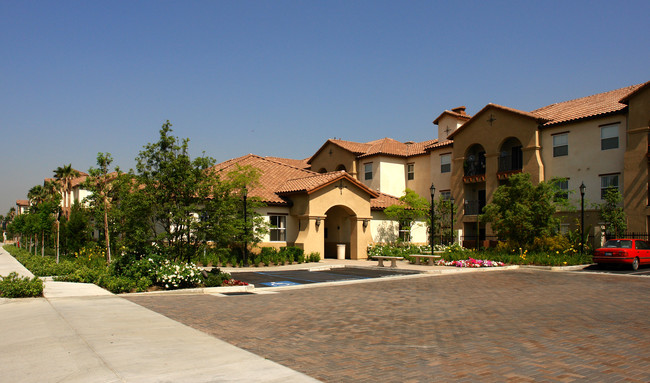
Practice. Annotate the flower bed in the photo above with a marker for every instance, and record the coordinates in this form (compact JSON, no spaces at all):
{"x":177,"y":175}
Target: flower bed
{"x":471,"y":262}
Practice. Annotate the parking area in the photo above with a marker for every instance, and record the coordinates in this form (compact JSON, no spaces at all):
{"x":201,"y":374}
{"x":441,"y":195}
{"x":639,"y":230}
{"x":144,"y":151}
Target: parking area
{"x":617,"y":269}
{"x":500,"y":326}
{"x":301,"y":277}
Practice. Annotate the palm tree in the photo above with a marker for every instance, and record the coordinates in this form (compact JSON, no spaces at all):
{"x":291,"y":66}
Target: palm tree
{"x":64,"y":175}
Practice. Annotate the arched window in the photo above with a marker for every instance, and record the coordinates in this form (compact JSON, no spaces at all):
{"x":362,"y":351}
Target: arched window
{"x":510,"y":156}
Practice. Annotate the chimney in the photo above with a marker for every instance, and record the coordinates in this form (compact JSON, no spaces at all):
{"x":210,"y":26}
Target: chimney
{"x":460,"y":110}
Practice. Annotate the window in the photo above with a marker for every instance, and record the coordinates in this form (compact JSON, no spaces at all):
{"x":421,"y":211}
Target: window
{"x":445,"y":194}
{"x":405,"y":231}
{"x":561,"y":145}
{"x":367,"y":169}
{"x":609,"y":137}
{"x":278,"y":230}
{"x":445,"y":163}
{"x":606,"y":182}
{"x":410,"y":171}
{"x":563,"y":189}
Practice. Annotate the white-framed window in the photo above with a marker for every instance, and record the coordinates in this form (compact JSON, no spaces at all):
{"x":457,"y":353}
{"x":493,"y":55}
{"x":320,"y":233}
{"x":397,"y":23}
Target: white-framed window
{"x":561,"y":145}
{"x":445,"y":163}
{"x":609,"y":137}
{"x":608,"y":181}
{"x":367,"y":170}
{"x":410,"y":171}
{"x":405,"y":231}
{"x":278,"y":229}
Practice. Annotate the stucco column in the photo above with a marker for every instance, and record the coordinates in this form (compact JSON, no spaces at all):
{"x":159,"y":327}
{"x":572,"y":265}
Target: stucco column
{"x":312,"y":236}
{"x":491,"y":169}
{"x":360,"y":237}
{"x":532,"y":161}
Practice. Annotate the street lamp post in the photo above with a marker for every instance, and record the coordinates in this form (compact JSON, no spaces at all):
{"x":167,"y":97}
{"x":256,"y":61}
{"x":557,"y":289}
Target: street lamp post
{"x":582,"y":217}
{"x":451,"y":219}
{"x":432,"y":189}
{"x":245,"y":192}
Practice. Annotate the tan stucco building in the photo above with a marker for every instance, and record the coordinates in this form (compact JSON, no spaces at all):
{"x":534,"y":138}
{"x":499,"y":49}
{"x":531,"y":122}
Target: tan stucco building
{"x":338,"y":195}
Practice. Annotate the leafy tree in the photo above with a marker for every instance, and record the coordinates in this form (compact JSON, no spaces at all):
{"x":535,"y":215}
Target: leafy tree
{"x":177,"y":186}
{"x":76,"y":232}
{"x":520,"y":211}
{"x":412,"y":208}
{"x":611,"y":212}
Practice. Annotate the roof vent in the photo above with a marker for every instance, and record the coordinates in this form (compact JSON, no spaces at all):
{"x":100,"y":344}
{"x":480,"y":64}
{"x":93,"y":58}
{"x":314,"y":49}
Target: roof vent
{"x":409,"y":142}
{"x":460,"y":110}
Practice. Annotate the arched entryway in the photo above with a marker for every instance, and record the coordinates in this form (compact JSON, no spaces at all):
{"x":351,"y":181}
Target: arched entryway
{"x":339,"y":229}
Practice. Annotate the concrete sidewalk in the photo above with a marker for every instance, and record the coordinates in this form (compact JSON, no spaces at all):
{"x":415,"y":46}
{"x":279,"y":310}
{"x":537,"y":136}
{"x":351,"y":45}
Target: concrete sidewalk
{"x":82,"y":333}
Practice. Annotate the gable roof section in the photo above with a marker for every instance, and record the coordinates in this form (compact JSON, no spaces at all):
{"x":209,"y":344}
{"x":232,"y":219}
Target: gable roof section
{"x":385,"y":146}
{"x":489,"y":106}
{"x":460,"y":116}
{"x":273,"y":174}
{"x":318,"y":181}
{"x":640,"y":87}
{"x":591,"y":106}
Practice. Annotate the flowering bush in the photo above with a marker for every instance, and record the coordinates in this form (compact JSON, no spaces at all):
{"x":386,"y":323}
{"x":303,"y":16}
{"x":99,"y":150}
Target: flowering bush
{"x":471,"y":262}
{"x":176,"y":276}
{"x":234,"y":282}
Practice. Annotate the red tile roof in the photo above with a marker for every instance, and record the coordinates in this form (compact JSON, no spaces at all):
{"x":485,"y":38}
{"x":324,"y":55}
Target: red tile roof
{"x":22,"y":202}
{"x":278,"y":179}
{"x":302,"y":164}
{"x":318,"y":181}
{"x":273,"y":174}
{"x":385,"y":146}
{"x":500,"y":107}
{"x":384,"y":201}
{"x":585,"y":107}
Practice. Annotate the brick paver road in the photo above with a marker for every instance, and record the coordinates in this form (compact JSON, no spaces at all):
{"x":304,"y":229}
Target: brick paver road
{"x":519,"y":326}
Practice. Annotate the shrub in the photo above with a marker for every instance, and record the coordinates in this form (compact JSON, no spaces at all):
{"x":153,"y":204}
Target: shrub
{"x":14,"y":286}
{"x":176,"y":275}
{"x":314,"y":257}
{"x":83,"y":274}
{"x":117,"y":284}
{"x":215,"y":277}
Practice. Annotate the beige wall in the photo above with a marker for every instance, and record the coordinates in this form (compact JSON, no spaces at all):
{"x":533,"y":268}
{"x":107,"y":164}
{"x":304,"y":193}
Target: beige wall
{"x":442,"y":181}
{"x":331,"y":161}
{"x":506,"y":124}
{"x":346,"y":208}
{"x":447,"y":125}
{"x":385,"y":230}
{"x":636,"y":162}
{"x":422,"y":180}
{"x":585,"y":161}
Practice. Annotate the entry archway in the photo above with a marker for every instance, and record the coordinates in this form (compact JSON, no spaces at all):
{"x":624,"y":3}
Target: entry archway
{"x":339,"y":228}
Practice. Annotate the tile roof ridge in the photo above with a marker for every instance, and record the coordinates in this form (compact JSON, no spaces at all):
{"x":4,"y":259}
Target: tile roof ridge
{"x":630,"y":87}
{"x":315,"y":175}
{"x":286,"y":164}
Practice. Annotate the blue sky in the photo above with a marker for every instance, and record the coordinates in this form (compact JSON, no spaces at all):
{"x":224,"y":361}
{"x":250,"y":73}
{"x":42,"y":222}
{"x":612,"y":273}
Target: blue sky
{"x":279,"y":78}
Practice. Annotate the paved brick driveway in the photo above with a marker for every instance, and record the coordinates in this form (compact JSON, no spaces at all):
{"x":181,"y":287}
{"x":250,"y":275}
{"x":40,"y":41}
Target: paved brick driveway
{"x":520,"y":325}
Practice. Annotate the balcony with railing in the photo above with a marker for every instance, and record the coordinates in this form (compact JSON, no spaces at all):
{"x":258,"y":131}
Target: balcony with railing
{"x":510,"y":164}
{"x":474,"y":207}
{"x":474,"y":167}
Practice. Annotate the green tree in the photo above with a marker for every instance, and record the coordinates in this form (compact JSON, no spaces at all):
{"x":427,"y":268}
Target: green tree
{"x":520,"y":211}
{"x":412,"y":209}
{"x":76,"y":231}
{"x":612,"y":213}
{"x":178,"y":186}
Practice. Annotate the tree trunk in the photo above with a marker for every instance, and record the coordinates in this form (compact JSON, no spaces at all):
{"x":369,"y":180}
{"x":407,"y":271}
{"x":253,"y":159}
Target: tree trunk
{"x":108,"y":243}
{"x":43,"y":243}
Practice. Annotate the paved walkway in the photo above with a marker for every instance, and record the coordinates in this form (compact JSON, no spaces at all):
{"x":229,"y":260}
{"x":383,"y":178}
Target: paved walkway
{"x":521,"y":325}
{"x":81,"y":333}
